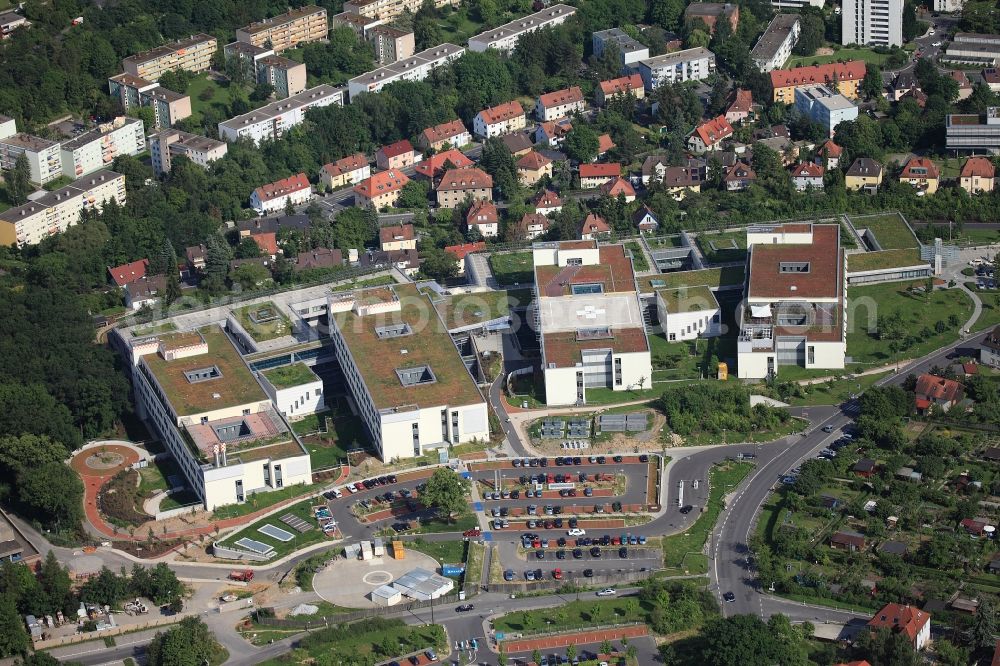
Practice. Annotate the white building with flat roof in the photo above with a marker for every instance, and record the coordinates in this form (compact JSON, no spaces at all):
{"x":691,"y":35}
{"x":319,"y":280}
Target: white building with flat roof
{"x":630,"y":49}
{"x":825,"y":107}
{"x":689,"y":312}
{"x":505,"y":37}
{"x":874,"y":22}
{"x":589,"y":319}
{"x":775,"y":46}
{"x":165,"y":145}
{"x":795,"y":300}
{"x":98,"y":148}
{"x":404,"y":371}
{"x":688,"y":65}
{"x":415,"y":68}
{"x":43,"y":155}
{"x":272,"y":120}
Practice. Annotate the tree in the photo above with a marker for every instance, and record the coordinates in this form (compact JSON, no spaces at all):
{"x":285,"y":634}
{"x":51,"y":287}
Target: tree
{"x":666,"y":13}
{"x":52,"y":493}
{"x":261,"y":92}
{"x":811,"y":34}
{"x":606,"y":647}
{"x":54,"y":580}
{"x":582,"y":142}
{"x":871,"y":85}
{"x":911,"y":26}
{"x":250,"y":276}
{"x":571,"y":652}
{"x":437,"y":263}
{"x":189,"y":643}
{"x":984,"y":626}
{"x":19,"y":180}
{"x":38,"y":659}
{"x":446,"y":491}
{"x":247,"y":248}
{"x":745,"y":639}
{"x":414,"y":195}
{"x":13,"y":637}
{"x":218,"y":255}
{"x":536,"y":656}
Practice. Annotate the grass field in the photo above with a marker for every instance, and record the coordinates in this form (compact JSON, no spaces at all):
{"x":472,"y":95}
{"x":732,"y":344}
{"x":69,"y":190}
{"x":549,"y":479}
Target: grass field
{"x":371,"y":641}
{"x":868,"y":55}
{"x":870,"y":261}
{"x":514,"y":268}
{"x":218,"y":99}
{"x":262,"y":501}
{"x":263,"y":321}
{"x":465,"y":521}
{"x":676,"y":360}
{"x":835,"y":392}
{"x":573,"y":615}
{"x":639,"y":262}
{"x":890,"y":230}
{"x":329,"y":449}
{"x":445,"y":552}
{"x":917,"y":312}
{"x":683,"y":553}
{"x":281,"y":548}
{"x":723,"y":252}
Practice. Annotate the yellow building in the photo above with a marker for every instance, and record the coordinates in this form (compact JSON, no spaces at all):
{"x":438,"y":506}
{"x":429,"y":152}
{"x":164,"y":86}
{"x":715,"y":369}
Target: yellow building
{"x":285,"y":31}
{"x":864,"y":174}
{"x":847,"y":77}
{"x":193,"y":54}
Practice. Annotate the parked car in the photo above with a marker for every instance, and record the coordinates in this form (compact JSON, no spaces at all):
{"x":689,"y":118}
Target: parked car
{"x":606,"y":592}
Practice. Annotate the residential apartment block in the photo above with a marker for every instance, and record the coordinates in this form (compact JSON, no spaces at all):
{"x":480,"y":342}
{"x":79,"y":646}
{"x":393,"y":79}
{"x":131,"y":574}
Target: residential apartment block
{"x":98,"y":148}
{"x":559,"y":104}
{"x":274,"y":197}
{"x":11,"y":21}
{"x":415,"y":68}
{"x":450,"y":134}
{"x":846,"y":77}
{"x":457,"y":185}
{"x":380,"y":190}
{"x":624,"y":85}
{"x":56,"y":211}
{"x":711,"y":12}
{"x":168,"y":106}
{"x":44,"y":157}
{"x":589,"y":320}
{"x":197,"y":393}
{"x":797,"y":4}
{"x":775,"y":46}
{"x":824,"y":107}
{"x":964,"y":132}
{"x":795,"y":304}
{"x":390,"y":43}
{"x":350,"y":170}
{"x":288,"y":30}
{"x":390,"y":9}
{"x":193,"y":54}
{"x":505,"y":37}
{"x":405,"y":374}
{"x":688,"y":65}
{"x":630,"y":49}
{"x":165,"y":145}
{"x":8,"y":126}
{"x":271,"y":121}
{"x":262,"y":65}
{"x":876,"y":22}
{"x":499,"y":120}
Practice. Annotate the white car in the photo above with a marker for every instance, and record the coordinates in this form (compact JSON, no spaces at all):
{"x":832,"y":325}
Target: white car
{"x":931,"y":31}
{"x":607,"y":592}
{"x":936,"y":44}
{"x":351,"y":488}
{"x":576,"y":531}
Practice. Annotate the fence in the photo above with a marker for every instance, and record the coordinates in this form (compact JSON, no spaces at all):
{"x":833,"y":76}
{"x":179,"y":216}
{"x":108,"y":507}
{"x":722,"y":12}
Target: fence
{"x":83,"y":637}
{"x":361,"y":614}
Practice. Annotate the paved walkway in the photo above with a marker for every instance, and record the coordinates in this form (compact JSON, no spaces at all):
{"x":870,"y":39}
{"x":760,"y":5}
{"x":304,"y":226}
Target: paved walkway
{"x":575,"y":638}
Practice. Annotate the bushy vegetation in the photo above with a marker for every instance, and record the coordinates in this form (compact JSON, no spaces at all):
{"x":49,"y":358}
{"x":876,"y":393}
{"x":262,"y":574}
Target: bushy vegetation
{"x":158,"y":584}
{"x":717,"y":407}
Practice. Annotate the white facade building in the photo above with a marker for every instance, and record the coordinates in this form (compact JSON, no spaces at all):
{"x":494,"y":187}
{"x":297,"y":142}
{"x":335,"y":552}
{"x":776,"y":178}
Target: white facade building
{"x":875,"y":22}
{"x":630,"y":50}
{"x":275,"y":197}
{"x":775,"y":46}
{"x":44,"y":159}
{"x":499,"y":120}
{"x":825,"y":107}
{"x":589,"y":318}
{"x":8,"y":126}
{"x":415,"y":68}
{"x":272,"y":120}
{"x":406,"y":376}
{"x":294,"y":389}
{"x":505,"y":37}
{"x":794,"y":310}
{"x":688,"y":65}
{"x":166,"y":145}
{"x":687,"y":313}
{"x":97,"y":149}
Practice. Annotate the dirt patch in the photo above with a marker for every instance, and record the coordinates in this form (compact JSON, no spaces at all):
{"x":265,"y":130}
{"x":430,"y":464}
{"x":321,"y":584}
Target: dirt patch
{"x":824,"y":51}
{"x":119,"y":498}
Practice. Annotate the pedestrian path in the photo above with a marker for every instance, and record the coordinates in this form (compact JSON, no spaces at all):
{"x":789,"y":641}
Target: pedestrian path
{"x":554,"y":641}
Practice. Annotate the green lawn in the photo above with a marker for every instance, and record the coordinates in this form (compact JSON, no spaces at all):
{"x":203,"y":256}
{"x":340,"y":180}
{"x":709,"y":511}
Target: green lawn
{"x":832,"y":393}
{"x":177,"y":500}
{"x":889,"y":229}
{"x":870,"y":261}
{"x":465,"y":521}
{"x":281,"y":548}
{"x":723,"y":251}
{"x":917,"y":312}
{"x":513,"y":268}
{"x":219,"y":98}
{"x":457,"y":26}
{"x":663,"y":241}
{"x":572,"y":615}
{"x":375,"y":640}
{"x":861,"y":53}
{"x":639,"y":262}
{"x":291,"y":375}
{"x":262,"y":501}
{"x":682,"y":553}
{"x":263,"y":321}
{"x":710,"y":277}
{"x":445,"y":552}
{"x":329,"y":449}
{"x":676,"y":360}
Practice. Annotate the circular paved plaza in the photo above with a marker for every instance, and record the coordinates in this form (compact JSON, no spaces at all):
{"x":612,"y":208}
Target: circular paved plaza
{"x":348,"y":582}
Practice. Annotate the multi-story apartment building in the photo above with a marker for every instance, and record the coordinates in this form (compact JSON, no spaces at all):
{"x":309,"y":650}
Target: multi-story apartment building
{"x":98,"y":148}
{"x":797,"y":4}
{"x":846,"y":77}
{"x":56,"y":211}
{"x":193,"y":54}
{"x":380,"y":190}
{"x":415,"y":68}
{"x":349,"y":170}
{"x":359,"y":24}
{"x":397,"y":237}
{"x":168,"y":106}
{"x":710,"y":13}
{"x":589,"y":320}
{"x":877,"y":22}
{"x":44,"y":159}
{"x":390,"y":43}
{"x":285,"y":31}
{"x":965,"y":132}
{"x":271,"y":121}
{"x":775,"y":46}
{"x":457,"y":185}
{"x":630,"y":50}
{"x":387,"y":10}
{"x":559,"y":104}
{"x":499,"y":120}
{"x":196,"y":392}
{"x":688,"y":65}
{"x":259,"y":64}
{"x":624,"y":85}
{"x":795,"y":305}
{"x":822,"y":106}
{"x":8,"y":126}
{"x":405,"y":374}
{"x":165,"y":145}
{"x":274,"y":197}
{"x":505,"y":37}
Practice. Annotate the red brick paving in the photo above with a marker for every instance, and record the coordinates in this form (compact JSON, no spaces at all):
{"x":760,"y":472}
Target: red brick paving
{"x":575,"y":638}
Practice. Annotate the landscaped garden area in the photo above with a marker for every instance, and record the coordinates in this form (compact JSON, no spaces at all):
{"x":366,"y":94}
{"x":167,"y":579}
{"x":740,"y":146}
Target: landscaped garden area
{"x":639,"y":263}
{"x":263,"y":321}
{"x":889,"y":229}
{"x":513,"y":268}
{"x":720,"y":412}
{"x":725,"y":247}
{"x":374,"y":640}
{"x":295,"y":539}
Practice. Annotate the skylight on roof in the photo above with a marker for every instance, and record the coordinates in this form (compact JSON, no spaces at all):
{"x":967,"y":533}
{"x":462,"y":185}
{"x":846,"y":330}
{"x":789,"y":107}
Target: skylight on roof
{"x":202,"y":374}
{"x":393,"y":331}
{"x":794,"y":267}
{"x":421,"y":374}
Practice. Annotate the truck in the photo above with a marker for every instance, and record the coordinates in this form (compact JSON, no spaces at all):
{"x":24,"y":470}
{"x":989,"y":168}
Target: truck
{"x":379,"y":547}
{"x":452,"y":570}
{"x":243,"y":576}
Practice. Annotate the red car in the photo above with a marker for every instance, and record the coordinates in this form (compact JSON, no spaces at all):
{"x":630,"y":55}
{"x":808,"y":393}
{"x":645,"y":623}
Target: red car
{"x":474,"y":532}
{"x":359,"y":486}
{"x":557,"y":574}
